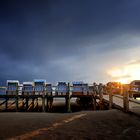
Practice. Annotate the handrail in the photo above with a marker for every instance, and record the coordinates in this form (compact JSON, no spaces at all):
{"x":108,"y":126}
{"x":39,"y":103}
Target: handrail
{"x":119,"y":96}
{"x":134,"y":91}
{"x":134,"y":100}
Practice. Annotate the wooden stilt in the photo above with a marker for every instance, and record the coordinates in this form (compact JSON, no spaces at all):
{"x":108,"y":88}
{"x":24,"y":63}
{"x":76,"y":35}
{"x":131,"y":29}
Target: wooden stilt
{"x":6,"y":103}
{"x":43,"y":104}
{"x":17,"y":99}
{"x":94,"y":103}
{"x":110,"y":99}
{"x":68,"y":105}
{"x":47,"y":105}
{"x":101,"y":96}
{"x":33,"y":103}
{"x":17,"y":103}
{"x":22,"y":103}
{"x":125,"y":100}
{"x":27,"y":103}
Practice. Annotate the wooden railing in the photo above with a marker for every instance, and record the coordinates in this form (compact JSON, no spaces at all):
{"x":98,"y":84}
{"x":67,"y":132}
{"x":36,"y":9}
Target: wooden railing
{"x":123,"y":100}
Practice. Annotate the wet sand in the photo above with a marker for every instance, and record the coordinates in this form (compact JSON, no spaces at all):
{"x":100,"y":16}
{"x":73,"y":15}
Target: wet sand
{"x":85,"y":125}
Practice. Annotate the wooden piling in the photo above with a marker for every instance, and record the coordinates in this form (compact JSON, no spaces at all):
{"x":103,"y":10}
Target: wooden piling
{"x":49,"y":103}
{"x":110,"y":97}
{"x":94,"y":103}
{"x":94,"y":96}
{"x":125,"y":100}
{"x":27,"y":103}
{"x":6,"y":103}
{"x":68,"y":105}
{"x":17,"y":103}
{"x":110,"y":100}
{"x":33,"y":102}
{"x":17,"y":99}
{"x":101,"y":96}
{"x":43,"y":104}
{"x":36,"y":105}
{"x":43,"y":101}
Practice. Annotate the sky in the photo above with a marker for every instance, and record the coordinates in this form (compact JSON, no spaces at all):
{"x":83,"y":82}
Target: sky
{"x":70,"y":40}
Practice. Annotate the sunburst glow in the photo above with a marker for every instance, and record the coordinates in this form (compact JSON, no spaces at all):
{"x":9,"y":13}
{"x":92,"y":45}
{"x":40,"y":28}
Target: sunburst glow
{"x":126,"y":74}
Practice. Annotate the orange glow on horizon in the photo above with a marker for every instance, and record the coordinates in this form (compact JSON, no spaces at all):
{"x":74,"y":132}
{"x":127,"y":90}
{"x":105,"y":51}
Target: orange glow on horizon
{"x":126,"y":74}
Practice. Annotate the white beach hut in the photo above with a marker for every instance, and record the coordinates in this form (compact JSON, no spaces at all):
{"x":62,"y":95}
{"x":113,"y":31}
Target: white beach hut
{"x":12,"y":87}
{"x":27,"y":88}
{"x":39,"y":86}
{"x":61,"y":88}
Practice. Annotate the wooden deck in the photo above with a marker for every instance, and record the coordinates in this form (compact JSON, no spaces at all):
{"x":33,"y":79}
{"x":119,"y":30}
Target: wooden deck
{"x":30,"y":99}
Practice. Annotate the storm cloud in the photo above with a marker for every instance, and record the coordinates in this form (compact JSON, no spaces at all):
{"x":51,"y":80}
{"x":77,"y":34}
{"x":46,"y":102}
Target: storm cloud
{"x":66,"y":40}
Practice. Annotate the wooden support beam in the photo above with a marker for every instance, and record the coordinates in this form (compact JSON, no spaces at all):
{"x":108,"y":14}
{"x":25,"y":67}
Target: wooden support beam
{"x":110,"y":99}
{"x":17,"y":103}
{"x":17,"y":99}
{"x":49,"y":103}
{"x":100,"y":88}
{"x":125,"y":100}
{"x":33,"y":102}
{"x":109,"y":90}
{"x":6,"y":103}
{"x":43,"y":104}
{"x":94,"y":103}
{"x":27,"y":103}
{"x":68,"y":104}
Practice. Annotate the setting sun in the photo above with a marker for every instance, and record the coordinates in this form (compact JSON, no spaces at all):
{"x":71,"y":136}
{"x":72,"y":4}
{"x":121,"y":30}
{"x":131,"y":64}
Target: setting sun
{"x":126,"y":74}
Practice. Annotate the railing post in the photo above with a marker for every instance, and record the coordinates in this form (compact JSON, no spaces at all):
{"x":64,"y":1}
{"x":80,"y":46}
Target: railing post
{"x":110,"y":99}
{"x":43,"y":102}
{"x":6,"y":103}
{"x":125,"y":100}
{"x":6,"y":100}
{"x":94,"y":103}
{"x":94,"y":96}
{"x":27,"y":100}
{"x":100,"y":89}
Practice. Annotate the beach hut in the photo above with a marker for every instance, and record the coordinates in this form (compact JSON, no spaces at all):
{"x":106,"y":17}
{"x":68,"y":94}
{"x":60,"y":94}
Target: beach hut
{"x":2,"y":90}
{"x":85,"y":89}
{"x":135,"y":88}
{"x":39,"y":86}
{"x":27,"y":88}
{"x":49,"y":89}
{"x":61,"y":88}
{"x":77,"y":88}
{"x":12,"y":87}
{"x":135,"y":85}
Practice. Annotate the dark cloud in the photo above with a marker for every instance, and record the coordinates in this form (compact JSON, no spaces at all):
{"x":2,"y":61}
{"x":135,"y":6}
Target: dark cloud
{"x":34,"y":34}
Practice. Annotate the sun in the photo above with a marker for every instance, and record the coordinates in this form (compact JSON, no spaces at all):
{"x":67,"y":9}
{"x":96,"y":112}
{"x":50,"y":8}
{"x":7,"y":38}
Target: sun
{"x":123,"y":80}
{"x":126,"y":74}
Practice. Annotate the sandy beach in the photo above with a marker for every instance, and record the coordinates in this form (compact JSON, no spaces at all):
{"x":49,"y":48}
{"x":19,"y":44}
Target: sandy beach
{"x":85,"y":125}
